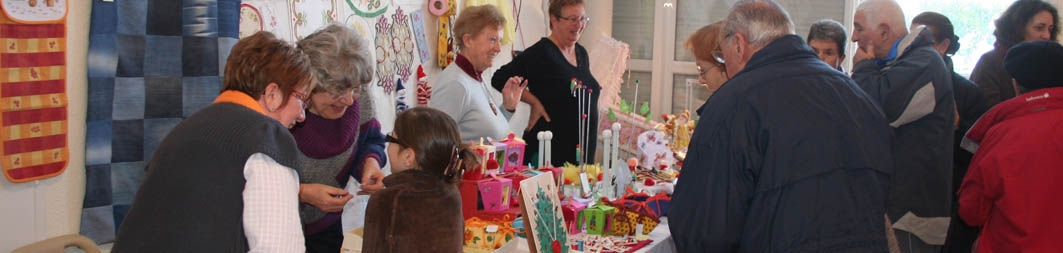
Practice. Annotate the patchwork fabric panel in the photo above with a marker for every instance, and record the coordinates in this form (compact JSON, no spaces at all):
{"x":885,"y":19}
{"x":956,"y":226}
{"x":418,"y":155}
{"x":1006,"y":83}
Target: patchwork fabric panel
{"x":151,"y":64}
{"x":33,"y":102}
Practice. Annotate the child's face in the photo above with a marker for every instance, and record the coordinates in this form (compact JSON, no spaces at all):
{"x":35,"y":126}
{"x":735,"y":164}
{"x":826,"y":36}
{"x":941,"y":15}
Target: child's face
{"x":400,"y":155}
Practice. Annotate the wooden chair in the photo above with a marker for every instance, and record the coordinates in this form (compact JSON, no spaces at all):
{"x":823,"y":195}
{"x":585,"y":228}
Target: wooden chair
{"x":59,"y":244}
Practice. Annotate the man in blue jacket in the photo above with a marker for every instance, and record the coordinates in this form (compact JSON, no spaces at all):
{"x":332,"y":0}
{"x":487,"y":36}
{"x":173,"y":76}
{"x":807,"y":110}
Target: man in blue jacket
{"x":910,"y":81}
{"x":789,"y":155}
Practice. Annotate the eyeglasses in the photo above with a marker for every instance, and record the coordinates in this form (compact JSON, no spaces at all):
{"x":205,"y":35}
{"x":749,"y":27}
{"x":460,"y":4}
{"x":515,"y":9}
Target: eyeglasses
{"x":341,"y":95}
{"x":392,"y":139}
{"x":302,"y":97}
{"x":574,"y":19}
{"x":717,"y":55}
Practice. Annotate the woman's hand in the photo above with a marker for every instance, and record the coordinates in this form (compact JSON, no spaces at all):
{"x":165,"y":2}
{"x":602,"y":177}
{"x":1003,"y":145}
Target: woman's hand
{"x":327,"y":198}
{"x":512,"y":92}
{"x":372,"y":177}
{"x":537,"y":111}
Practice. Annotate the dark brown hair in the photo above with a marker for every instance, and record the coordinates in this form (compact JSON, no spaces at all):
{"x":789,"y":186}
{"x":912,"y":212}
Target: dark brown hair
{"x":435,"y":140}
{"x":1011,"y":26}
{"x":261,"y":59}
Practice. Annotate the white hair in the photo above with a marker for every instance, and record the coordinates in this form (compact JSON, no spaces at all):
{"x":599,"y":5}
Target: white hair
{"x":884,"y":12}
{"x":760,"y":21}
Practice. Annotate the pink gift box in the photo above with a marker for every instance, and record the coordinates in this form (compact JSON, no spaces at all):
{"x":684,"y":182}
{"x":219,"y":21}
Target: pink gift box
{"x":571,"y":209}
{"x":494,"y":192}
{"x":514,"y":153}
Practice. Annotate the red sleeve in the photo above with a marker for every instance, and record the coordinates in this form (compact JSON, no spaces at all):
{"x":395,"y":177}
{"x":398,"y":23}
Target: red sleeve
{"x":981,"y":186}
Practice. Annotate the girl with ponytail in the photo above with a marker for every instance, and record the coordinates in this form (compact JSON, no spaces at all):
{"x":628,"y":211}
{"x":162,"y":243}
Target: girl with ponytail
{"x":420,"y":208}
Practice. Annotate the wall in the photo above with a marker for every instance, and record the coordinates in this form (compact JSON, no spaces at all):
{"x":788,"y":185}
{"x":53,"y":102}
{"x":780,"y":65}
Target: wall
{"x":51,"y":207}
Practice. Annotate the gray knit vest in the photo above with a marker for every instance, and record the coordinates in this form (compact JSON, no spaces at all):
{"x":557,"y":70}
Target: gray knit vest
{"x":192,"y":197}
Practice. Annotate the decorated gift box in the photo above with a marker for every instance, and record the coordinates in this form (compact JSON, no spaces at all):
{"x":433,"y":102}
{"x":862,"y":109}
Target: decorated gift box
{"x":513,"y":154}
{"x":494,"y":193}
{"x":597,"y":219}
{"x":570,"y":209}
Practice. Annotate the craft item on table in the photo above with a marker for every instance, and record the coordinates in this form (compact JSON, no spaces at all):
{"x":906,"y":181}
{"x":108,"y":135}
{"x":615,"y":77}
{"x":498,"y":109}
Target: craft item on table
{"x":424,"y":91}
{"x":610,"y":62}
{"x":597,"y":219}
{"x":309,"y":15}
{"x":514,"y":153}
{"x":517,"y":178}
{"x":488,"y":235}
{"x":368,"y":8}
{"x":417,"y":22}
{"x":571,"y":208}
{"x":545,"y":139}
{"x":542,"y":214}
{"x":33,"y":91}
{"x":573,"y":173}
{"x":678,"y":128}
{"x":633,"y":211}
{"x":494,"y":193}
{"x":487,"y":151}
{"x":445,"y":10}
{"x":610,"y":163}
{"x":385,"y":58}
{"x":653,"y":149}
{"x":632,"y":125}
{"x":663,"y":187}
{"x":500,"y":154}
{"x":400,"y":102}
{"x":402,"y":43}
{"x":612,"y":244}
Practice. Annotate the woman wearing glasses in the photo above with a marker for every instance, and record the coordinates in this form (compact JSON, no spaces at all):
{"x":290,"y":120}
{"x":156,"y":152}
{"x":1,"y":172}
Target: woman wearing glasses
{"x":705,"y":45}
{"x":550,"y":67}
{"x":333,"y":146}
{"x":225,"y":178}
{"x":420,"y":211}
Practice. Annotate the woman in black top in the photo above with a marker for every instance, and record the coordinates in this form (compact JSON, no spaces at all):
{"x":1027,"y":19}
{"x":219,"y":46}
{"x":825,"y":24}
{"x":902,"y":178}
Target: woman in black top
{"x":550,"y":67}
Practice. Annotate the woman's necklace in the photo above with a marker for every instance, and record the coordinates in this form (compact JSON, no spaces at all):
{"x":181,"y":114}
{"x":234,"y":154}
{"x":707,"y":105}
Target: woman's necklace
{"x":487,"y":95}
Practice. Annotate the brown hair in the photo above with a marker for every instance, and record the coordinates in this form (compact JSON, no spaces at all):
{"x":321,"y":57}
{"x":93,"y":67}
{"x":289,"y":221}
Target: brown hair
{"x":340,"y":57}
{"x":261,"y":59}
{"x":435,"y":140}
{"x":705,"y":40}
{"x":556,"y":6}
{"x":473,"y":20}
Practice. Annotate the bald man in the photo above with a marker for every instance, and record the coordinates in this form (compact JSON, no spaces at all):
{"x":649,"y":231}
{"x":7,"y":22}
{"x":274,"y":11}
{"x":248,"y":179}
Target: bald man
{"x":909,"y":80}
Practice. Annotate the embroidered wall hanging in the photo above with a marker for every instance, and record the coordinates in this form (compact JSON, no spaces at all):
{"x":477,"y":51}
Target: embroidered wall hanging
{"x":385,"y":59}
{"x":33,"y":102}
{"x":368,"y":8}
{"x":309,"y":15}
{"x":417,"y":22}
{"x":402,"y":44}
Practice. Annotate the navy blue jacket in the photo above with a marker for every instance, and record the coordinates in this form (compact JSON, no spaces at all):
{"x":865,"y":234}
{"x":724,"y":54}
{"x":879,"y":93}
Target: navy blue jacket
{"x":915,"y":91}
{"x":788,"y":156}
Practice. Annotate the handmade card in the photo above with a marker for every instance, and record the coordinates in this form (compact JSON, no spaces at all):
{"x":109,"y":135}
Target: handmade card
{"x":542,"y":214}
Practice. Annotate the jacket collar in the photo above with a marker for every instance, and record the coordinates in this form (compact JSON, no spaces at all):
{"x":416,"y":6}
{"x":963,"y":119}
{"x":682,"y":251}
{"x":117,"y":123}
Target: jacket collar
{"x":1025,"y":104}
{"x":917,"y":38}
{"x":782,"y":49}
{"x":467,"y":67}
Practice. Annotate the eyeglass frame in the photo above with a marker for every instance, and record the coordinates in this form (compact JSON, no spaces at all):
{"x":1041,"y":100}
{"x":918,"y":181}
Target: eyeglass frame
{"x":392,"y":139}
{"x":583,"y":20}
{"x":304,"y":99}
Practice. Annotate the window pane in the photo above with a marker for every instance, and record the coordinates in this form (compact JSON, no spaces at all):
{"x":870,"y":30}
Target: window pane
{"x":627,"y":90}
{"x":695,"y":93}
{"x":633,"y":24}
{"x":972,"y":21}
{"x":692,"y":14}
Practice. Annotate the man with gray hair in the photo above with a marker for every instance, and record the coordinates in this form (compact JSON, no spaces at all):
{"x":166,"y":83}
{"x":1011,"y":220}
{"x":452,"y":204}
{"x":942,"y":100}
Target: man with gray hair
{"x":789,"y":156}
{"x":911,"y":83}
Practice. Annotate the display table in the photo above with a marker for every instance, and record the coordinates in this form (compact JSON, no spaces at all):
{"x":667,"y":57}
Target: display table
{"x":662,"y":241}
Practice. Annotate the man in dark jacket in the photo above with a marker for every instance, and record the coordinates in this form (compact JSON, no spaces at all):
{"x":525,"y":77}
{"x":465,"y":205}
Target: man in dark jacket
{"x":789,"y":156}
{"x":910,"y":82}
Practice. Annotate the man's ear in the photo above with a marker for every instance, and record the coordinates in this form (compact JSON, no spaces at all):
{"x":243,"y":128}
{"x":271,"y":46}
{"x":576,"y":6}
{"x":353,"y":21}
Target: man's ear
{"x":741,"y":44}
{"x":884,"y":32}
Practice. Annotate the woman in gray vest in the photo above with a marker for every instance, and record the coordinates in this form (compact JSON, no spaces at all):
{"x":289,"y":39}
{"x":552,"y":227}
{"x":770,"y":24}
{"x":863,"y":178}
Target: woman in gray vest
{"x":224,"y":179}
{"x":332,"y":146}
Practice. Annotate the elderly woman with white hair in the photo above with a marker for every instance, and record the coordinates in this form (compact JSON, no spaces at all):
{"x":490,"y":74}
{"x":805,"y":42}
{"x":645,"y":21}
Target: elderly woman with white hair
{"x":461,"y":91}
{"x":334,"y":147}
